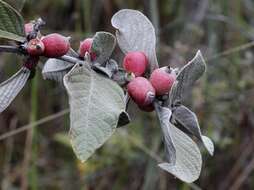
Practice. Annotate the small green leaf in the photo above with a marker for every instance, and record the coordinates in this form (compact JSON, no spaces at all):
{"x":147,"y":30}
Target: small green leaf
{"x":135,"y":32}
{"x":183,"y":156}
{"x":11,"y":23}
{"x":55,"y":69}
{"x":188,"y":157}
{"x":186,"y":118}
{"x":164,"y":115}
{"x":188,"y":76}
{"x":17,"y":4}
{"x":103,"y":46}
{"x":10,"y":88}
{"x":96,"y":103}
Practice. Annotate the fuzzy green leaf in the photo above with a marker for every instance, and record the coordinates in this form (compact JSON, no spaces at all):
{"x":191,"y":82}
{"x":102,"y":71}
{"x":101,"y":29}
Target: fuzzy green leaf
{"x":10,"y":88}
{"x":186,"y":118}
{"x":103,"y":45}
{"x":11,"y":23}
{"x":187,"y":76}
{"x":96,"y":104}
{"x":135,"y":32}
{"x":183,"y":156}
{"x":55,"y":69}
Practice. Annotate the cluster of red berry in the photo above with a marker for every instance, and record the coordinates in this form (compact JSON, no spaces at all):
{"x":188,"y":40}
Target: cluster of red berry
{"x":144,"y":91}
{"x":54,"y":45}
{"x":141,"y":90}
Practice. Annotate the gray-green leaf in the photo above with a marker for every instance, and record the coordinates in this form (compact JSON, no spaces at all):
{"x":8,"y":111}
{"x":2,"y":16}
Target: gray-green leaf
{"x":55,"y":69}
{"x":11,"y":23}
{"x":135,"y":33}
{"x":17,"y":4}
{"x":188,"y":119}
{"x":164,"y":115}
{"x":188,"y":157}
{"x":103,"y":46}
{"x":188,"y":75}
{"x":184,"y":156}
{"x":10,"y":88}
{"x":96,"y":103}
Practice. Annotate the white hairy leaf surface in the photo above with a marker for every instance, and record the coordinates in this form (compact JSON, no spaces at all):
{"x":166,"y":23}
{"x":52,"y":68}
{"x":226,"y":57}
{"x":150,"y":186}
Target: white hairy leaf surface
{"x":103,"y":46}
{"x":188,"y":119}
{"x":10,"y":88}
{"x":55,"y":69}
{"x":183,"y":156}
{"x":187,"y":76}
{"x":135,"y":32}
{"x":11,"y":23}
{"x":96,"y":105}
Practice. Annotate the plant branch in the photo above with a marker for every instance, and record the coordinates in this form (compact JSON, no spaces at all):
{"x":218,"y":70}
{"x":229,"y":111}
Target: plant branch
{"x":14,"y":49}
{"x":10,"y":49}
{"x":34,"y":124}
{"x":69,"y":59}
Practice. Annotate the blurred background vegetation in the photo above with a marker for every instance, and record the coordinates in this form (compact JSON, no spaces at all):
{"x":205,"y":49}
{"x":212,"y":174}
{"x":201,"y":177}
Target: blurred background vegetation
{"x":42,"y":158}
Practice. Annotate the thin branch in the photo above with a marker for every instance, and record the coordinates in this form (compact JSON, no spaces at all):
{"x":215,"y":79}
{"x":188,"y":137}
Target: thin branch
{"x":244,"y":175}
{"x":69,"y":59}
{"x":14,"y":49}
{"x":34,"y":124}
{"x":231,"y":51}
{"x":10,"y":49}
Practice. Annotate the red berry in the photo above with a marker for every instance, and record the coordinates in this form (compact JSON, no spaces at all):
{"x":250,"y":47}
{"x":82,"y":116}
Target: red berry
{"x":147,"y":108}
{"x":162,"y":80}
{"x":31,"y":62}
{"x":141,"y":91}
{"x":28,"y":27}
{"x":35,"y":47}
{"x":135,"y":62}
{"x":56,"y":45}
{"x":85,"y":47}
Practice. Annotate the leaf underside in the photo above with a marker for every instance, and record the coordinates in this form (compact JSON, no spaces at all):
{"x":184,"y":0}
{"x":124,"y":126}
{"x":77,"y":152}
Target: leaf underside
{"x":187,"y":76}
{"x":55,"y":69}
{"x":188,"y":157}
{"x":134,"y":32}
{"x":164,"y":115}
{"x":96,"y":103}
{"x":188,"y":119}
{"x":10,"y":88}
{"x":103,"y":46}
{"x":183,"y":156}
{"x":11,"y":23}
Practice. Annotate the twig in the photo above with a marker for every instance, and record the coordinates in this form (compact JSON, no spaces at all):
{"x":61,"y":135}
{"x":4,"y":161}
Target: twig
{"x":13,"y":49}
{"x":246,"y":172}
{"x":30,"y":152}
{"x":231,"y":51}
{"x":10,"y":49}
{"x":34,"y":124}
{"x":69,"y":59}
{"x":7,"y":157}
{"x":237,"y":166}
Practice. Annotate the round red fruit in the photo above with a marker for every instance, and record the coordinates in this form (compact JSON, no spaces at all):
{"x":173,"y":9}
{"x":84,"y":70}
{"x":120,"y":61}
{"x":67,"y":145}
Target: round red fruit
{"x":35,"y":47}
{"x":147,"y":108}
{"x":141,"y":91}
{"x":31,"y":62}
{"x":85,"y":47}
{"x":56,"y":45}
{"x":162,"y":80}
{"x":135,"y":62}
